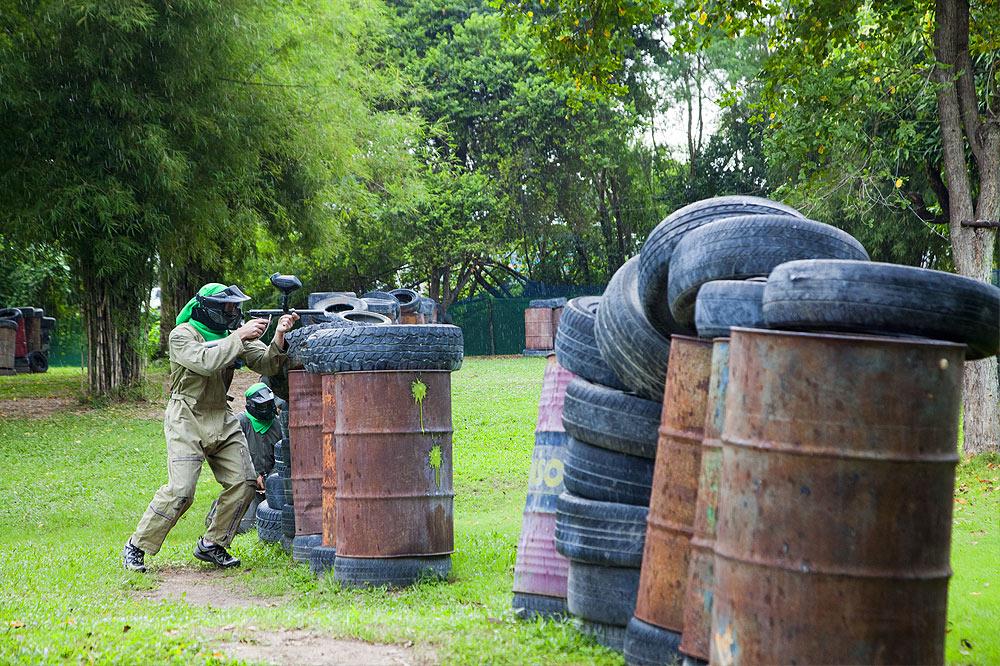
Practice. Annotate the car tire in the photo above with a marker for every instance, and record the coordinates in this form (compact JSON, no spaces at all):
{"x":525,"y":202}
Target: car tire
{"x":600,"y":532}
{"x":635,"y":351}
{"x":595,"y":473}
{"x":576,"y":344}
{"x":611,"y":419}
{"x":738,"y":248}
{"x":885,"y":299}
{"x":656,"y":253}
{"x":722,"y":304}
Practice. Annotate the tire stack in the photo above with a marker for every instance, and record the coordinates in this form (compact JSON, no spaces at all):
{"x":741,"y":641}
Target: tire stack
{"x":540,"y":572}
{"x":393,"y":463}
{"x":29,"y":343}
{"x":601,"y":517}
{"x":409,"y":306}
{"x":270,"y":512}
{"x":283,"y":452}
{"x":752,"y":264}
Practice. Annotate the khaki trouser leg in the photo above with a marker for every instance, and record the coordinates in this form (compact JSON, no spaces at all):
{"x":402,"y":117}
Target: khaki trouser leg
{"x":184,"y":459}
{"x":233,"y":469}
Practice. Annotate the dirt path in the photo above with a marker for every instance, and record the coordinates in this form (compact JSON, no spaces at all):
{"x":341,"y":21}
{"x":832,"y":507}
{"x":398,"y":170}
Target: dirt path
{"x":281,"y":646}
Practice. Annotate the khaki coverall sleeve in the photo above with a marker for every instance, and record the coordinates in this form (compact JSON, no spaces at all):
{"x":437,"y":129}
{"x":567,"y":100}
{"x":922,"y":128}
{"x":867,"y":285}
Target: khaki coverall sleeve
{"x":263,"y":359}
{"x":203,"y":358}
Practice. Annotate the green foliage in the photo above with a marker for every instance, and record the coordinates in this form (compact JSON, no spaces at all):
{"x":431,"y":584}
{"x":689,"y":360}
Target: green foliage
{"x":132,"y":132}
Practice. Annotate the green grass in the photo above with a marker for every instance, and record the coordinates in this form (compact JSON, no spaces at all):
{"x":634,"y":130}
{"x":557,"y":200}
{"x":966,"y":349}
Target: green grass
{"x":74,"y":485}
{"x":56,"y":383}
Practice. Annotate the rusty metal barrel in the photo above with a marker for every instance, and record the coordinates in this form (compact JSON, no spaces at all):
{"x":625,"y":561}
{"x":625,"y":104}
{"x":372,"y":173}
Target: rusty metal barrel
{"x":538,"y":333}
{"x":329,"y":484}
{"x":700,"y":587}
{"x":305,"y":430}
{"x":394,"y":495}
{"x":838,"y":469}
{"x":540,"y":573}
{"x":8,"y":337}
{"x":675,"y":485}
{"x":412,"y":318}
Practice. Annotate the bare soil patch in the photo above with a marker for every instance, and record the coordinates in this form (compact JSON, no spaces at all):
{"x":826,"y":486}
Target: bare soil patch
{"x":300,"y":646}
{"x":208,"y":587}
{"x":202,"y":587}
{"x":38,"y":408}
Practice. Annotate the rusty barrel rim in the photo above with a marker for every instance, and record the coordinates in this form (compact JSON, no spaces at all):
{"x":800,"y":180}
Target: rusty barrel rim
{"x":851,"y":337}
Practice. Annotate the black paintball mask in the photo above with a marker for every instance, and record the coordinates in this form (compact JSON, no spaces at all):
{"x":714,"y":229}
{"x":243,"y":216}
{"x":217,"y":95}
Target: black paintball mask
{"x":213,"y":311}
{"x":260,"y":404}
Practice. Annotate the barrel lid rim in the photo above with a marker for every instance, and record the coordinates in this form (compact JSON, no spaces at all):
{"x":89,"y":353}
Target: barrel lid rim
{"x":392,"y":372}
{"x":691,"y":338}
{"x":854,"y":337}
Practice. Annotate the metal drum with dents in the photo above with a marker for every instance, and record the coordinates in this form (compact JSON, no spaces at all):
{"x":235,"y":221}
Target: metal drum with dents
{"x":393,"y":440}
{"x":675,"y":485}
{"x":305,"y":430}
{"x":834,"y":530}
{"x":329,"y":483}
{"x":700,"y":588}
{"x":540,"y":573}
{"x":538,"y":333}
{"x":8,"y":336}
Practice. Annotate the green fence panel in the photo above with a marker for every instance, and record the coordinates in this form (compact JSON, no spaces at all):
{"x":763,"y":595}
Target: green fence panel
{"x":508,"y":324}
{"x":67,"y":343}
{"x":495,"y":326}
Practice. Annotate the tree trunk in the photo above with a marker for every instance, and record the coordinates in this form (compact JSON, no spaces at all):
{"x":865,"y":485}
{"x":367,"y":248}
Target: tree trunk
{"x":112,"y":320}
{"x":972,"y":249}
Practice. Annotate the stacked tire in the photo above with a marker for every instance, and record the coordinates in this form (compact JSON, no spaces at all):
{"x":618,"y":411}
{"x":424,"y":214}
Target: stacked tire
{"x":601,"y":517}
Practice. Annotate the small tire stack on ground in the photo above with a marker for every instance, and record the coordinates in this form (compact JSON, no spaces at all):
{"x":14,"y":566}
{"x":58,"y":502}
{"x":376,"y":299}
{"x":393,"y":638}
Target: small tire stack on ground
{"x":601,"y":518}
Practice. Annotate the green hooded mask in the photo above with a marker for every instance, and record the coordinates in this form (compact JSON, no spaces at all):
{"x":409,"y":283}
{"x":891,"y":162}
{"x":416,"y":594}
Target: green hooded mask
{"x":209,"y":289}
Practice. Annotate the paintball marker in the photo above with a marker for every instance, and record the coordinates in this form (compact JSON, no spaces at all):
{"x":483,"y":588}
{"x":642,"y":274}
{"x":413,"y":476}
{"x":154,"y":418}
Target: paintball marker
{"x":286,"y":284}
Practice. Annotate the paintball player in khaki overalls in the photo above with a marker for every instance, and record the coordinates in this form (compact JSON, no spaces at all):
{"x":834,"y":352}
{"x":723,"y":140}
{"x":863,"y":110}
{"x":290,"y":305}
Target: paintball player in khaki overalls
{"x":199,"y":425}
{"x":262,"y":433}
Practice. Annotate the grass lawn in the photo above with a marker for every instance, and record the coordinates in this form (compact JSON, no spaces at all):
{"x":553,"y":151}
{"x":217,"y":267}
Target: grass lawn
{"x":75,"y":482}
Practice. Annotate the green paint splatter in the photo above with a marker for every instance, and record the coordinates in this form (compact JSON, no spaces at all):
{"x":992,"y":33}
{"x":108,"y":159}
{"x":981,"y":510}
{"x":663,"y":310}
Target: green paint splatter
{"x":435,"y":460}
{"x":418,"y":390}
{"x":710,"y":515}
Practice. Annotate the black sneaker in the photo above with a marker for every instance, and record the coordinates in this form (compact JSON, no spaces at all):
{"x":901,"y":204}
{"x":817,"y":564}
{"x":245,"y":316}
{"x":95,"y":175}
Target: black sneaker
{"x":215,"y":554}
{"x":132,"y":557}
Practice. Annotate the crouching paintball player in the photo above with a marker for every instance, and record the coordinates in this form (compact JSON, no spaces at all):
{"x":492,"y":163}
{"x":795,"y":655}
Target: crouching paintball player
{"x":199,"y":426}
{"x":262,"y":433}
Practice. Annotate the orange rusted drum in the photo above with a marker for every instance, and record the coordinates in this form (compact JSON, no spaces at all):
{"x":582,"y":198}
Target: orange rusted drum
{"x":538,"y":331}
{"x":700,"y":586}
{"x":412,"y":318}
{"x":556,"y":316}
{"x":394,"y":464}
{"x":329,"y":461}
{"x":8,"y":336}
{"x":835,"y":503}
{"x":305,"y":432}
{"x":675,"y":485}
